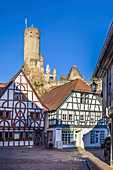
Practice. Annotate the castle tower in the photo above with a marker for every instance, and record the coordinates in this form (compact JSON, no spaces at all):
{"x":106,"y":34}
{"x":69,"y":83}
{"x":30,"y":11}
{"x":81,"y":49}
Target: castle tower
{"x":31,"y":48}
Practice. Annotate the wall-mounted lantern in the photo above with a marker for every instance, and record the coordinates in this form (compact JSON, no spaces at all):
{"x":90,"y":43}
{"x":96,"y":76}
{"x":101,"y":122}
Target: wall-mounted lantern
{"x":94,"y":87}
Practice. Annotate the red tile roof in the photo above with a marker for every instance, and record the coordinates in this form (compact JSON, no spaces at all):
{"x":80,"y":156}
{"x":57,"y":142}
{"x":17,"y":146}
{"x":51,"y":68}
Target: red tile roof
{"x":54,"y":98}
{"x":53,"y":87}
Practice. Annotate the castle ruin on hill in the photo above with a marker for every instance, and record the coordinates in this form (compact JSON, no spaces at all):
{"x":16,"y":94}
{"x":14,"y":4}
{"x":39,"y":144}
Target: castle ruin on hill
{"x":34,"y":68}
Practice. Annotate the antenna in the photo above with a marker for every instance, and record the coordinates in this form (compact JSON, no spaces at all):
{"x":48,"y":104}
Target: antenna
{"x":26,"y":22}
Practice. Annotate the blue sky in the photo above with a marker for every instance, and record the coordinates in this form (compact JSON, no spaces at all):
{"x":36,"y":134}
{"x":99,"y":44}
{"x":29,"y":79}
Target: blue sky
{"x":72,"y":33}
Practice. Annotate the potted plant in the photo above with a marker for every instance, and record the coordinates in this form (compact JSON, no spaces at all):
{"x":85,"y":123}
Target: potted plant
{"x":11,"y":138}
{"x":21,"y":138}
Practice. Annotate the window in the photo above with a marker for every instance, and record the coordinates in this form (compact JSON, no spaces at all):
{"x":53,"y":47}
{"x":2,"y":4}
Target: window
{"x":64,"y":116}
{"x":24,"y":97}
{"x":92,"y":117}
{"x":97,"y":137}
{"x":32,"y":115}
{"x":86,"y":98}
{"x":16,"y":136}
{"x":7,"y":114}
{"x":92,"y":137}
{"x":21,"y":134}
{"x":1,"y":113}
{"x":26,"y":134}
{"x":70,"y":117}
{"x":6,"y":135}
{"x":82,"y":98}
{"x":82,"y":118}
{"x":67,"y":136}
{"x":17,"y":96}
{"x":102,"y":133}
{"x":37,"y":115}
{"x":0,"y":134}
{"x":10,"y":134}
{"x":30,"y":134}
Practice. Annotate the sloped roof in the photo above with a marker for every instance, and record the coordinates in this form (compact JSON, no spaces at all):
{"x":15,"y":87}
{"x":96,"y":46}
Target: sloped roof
{"x":7,"y":85}
{"x":56,"y":97}
{"x":103,"y":54}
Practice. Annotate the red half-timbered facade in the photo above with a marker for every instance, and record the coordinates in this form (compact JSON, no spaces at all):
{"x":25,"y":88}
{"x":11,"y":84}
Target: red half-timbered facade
{"x":22,"y":114}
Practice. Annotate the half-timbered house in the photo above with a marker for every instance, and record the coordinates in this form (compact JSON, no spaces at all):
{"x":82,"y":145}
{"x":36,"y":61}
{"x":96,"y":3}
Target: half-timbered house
{"x":22,"y":114}
{"x":74,"y":116}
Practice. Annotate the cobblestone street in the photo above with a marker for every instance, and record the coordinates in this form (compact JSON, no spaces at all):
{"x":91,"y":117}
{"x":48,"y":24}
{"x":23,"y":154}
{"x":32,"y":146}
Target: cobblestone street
{"x":40,"y":158}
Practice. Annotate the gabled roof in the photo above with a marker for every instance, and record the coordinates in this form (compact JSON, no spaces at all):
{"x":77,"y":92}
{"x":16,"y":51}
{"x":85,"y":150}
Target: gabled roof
{"x":54,"y":98}
{"x":7,"y":85}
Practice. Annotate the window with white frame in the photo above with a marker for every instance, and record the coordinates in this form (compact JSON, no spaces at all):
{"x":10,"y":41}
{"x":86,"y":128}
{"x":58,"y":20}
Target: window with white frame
{"x":70,"y":117}
{"x":82,"y":98}
{"x":102,"y":136}
{"x":92,"y":117}
{"x":64,"y":115}
{"x":82,"y":117}
{"x":92,"y":137}
{"x":97,"y":137}
{"x":67,"y":136}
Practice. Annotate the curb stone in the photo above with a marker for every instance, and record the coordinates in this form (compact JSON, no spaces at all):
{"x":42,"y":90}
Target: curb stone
{"x":88,"y":164}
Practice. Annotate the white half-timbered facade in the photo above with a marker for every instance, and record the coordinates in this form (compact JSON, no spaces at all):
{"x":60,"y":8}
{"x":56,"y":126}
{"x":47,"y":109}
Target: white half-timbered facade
{"x":22,"y":115}
{"x":75,"y":116}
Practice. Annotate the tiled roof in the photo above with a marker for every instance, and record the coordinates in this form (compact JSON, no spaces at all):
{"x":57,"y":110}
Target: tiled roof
{"x":53,"y":87}
{"x":54,"y":98}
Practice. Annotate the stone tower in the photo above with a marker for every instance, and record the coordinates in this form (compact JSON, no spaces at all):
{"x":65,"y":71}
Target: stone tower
{"x":33,"y":62}
{"x":32,"y":57}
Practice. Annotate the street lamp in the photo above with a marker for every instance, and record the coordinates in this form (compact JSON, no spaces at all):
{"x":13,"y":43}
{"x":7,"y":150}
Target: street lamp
{"x":94,"y":87}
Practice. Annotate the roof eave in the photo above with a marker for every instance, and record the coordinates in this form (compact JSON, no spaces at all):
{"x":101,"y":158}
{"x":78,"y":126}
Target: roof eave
{"x":97,"y":72}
